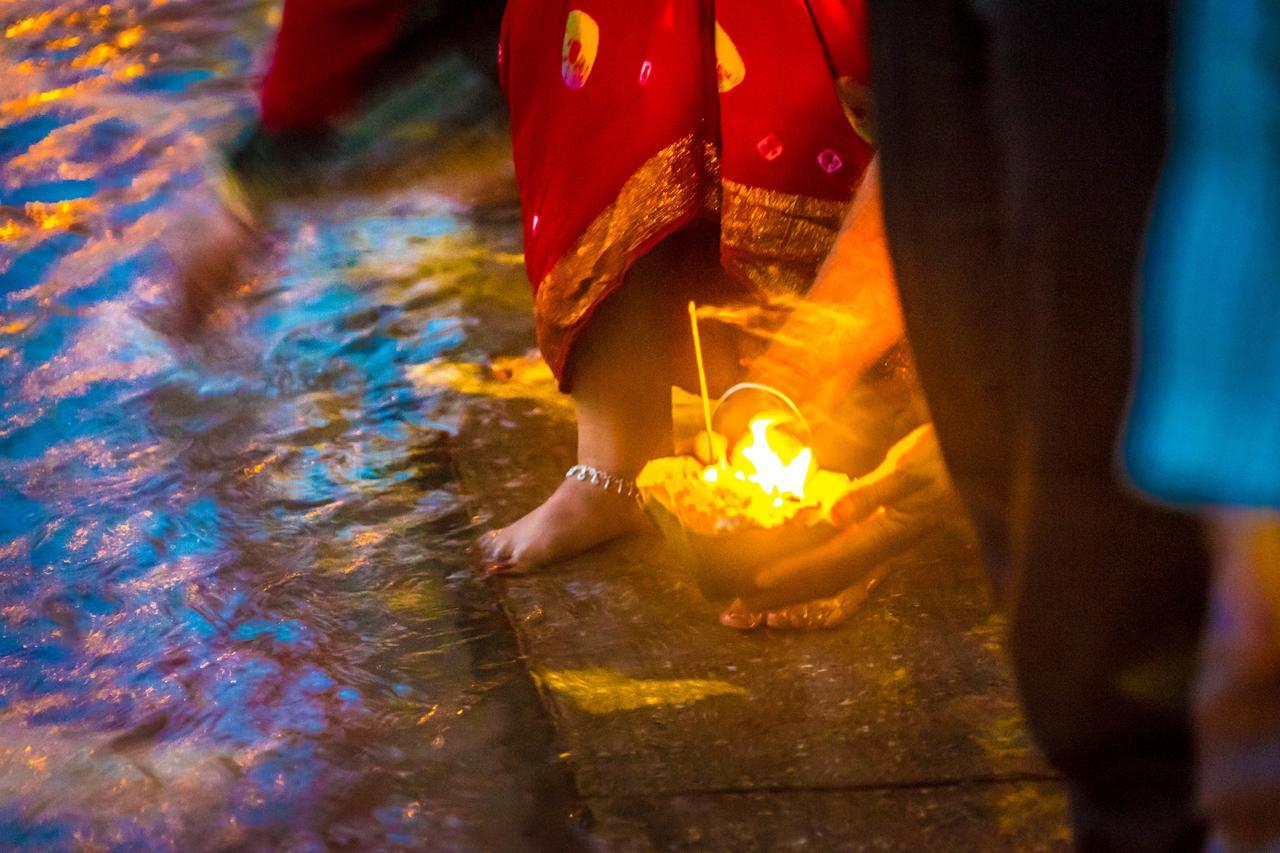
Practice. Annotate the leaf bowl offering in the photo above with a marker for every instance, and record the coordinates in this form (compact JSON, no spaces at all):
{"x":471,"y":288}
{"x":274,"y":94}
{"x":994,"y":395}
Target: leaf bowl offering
{"x":764,"y":501}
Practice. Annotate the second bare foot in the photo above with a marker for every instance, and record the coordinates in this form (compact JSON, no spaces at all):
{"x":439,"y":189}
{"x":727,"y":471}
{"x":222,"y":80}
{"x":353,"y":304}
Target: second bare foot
{"x":806,"y":616}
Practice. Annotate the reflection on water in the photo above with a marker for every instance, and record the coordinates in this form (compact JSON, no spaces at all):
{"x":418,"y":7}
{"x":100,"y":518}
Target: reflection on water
{"x":236,"y":608}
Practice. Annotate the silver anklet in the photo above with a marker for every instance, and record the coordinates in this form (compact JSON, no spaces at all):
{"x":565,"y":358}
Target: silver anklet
{"x":609,"y":482}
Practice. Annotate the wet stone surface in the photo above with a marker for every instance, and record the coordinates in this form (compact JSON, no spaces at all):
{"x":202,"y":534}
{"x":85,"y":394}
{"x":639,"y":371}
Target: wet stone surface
{"x":1013,"y":817}
{"x":897,"y":730}
{"x":238,"y":610}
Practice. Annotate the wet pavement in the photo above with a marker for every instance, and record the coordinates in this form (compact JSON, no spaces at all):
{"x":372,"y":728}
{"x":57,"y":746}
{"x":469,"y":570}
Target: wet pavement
{"x":238,"y":610}
{"x":898,"y":731}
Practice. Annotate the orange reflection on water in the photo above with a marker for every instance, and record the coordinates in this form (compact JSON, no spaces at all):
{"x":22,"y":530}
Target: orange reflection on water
{"x":128,"y":38}
{"x":363,"y":543}
{"x":35,"y":99}
{"x":99,"y":54}
{"x":10,"y":230}
{"x":254,"y":470}
{"x":34,"y":761}
{"x":33,"y":24}
{"x":104,"y":52}
{"x":56,"y":215}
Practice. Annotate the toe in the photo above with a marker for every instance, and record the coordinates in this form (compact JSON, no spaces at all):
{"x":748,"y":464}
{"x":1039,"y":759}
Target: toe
{"x":812,"y":615}
{"x":797,"y":616}
{"x":498,"y":551}
{"x":528,"y":556}
{"x":740,"y":619}
{"x":487,"y":544}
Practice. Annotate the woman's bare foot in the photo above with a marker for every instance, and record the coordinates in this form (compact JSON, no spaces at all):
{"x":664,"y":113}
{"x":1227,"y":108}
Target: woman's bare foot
{"x":576,"y":518}
{"x":621,"y":368}
{"x":806,"y":616}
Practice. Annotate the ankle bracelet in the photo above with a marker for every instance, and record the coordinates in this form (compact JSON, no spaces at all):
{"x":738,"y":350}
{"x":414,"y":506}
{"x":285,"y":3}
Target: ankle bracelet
{"x":609,"y":482}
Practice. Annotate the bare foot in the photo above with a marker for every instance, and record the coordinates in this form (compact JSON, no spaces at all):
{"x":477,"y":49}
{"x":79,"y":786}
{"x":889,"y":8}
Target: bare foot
{"x":576,"y":518}
{"x":806,"y":616}
{"x":213,"y":248}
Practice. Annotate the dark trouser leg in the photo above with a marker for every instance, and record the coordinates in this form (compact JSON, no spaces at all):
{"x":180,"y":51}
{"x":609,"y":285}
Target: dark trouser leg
{"x":1019,"y":152}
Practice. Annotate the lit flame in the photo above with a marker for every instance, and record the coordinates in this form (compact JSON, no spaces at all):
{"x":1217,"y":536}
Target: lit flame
{"x":768,"y":479}
{"x":776,"y":462}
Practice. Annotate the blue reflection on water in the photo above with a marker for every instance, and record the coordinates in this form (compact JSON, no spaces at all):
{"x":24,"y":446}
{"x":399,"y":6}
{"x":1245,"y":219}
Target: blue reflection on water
{"x":233,"y":585}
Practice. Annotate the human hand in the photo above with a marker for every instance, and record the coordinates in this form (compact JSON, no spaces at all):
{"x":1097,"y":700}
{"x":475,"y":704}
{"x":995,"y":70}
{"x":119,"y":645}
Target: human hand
{"x":886,"y":512}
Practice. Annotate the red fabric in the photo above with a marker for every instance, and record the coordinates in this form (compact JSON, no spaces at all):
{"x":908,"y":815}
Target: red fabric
{"x":322,"y":56}
{"x":653,"y":80}
{"x":844,"y":30}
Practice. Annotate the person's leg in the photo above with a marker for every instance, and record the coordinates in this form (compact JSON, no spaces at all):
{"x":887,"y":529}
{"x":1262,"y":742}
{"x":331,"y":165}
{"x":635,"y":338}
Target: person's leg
{"x":940,"y":178}
{"x":621,"y":388}
{"x":1019,"y":147}
{"x":1111,"y":601}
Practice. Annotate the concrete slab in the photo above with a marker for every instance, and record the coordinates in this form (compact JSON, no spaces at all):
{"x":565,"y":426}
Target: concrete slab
{"x":895,"y":731}
{"x":1021,"y":817}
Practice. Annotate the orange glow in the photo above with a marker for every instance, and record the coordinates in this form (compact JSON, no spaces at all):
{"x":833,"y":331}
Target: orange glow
{"x":19,"y":105}
{"x":768,"y":479}
{"x":58,"y":215}
{"x":255,"y":470}
{"x":130,"y":71}
{"x":98,"y":55}
{"x":33,"y":24}
{"x":762,"y":461}
{"x":128,"y":38}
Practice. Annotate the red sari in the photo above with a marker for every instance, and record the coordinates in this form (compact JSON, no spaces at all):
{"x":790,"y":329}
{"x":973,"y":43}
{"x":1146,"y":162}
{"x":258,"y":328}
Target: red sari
{"x":631,"y":119}
{"x":323,"y":52}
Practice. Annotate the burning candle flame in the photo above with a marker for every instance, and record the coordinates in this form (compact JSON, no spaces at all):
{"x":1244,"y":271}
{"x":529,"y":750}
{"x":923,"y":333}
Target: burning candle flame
{"x":761,"y":460}
{"x":770,"y":478}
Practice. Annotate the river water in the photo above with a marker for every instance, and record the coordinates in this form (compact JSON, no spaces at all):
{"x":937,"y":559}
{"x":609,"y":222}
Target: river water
{"x":238,"y":610}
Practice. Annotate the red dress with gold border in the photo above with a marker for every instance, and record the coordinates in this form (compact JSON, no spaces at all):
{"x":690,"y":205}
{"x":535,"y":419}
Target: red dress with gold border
{"x":631,"y":120}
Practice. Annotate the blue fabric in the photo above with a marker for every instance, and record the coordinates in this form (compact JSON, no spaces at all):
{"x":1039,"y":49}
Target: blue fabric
{"x":1204,"y":427}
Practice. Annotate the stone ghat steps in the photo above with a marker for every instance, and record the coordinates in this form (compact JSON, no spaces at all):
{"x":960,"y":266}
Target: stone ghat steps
{"x":898,"y":731}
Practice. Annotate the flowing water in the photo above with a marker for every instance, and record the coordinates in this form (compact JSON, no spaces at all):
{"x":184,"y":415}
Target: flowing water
{"x":237,"y":605}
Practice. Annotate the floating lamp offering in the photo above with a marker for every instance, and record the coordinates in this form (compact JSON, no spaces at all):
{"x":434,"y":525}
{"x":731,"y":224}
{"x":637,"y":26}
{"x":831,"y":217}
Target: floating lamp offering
{"x":764,"y":497}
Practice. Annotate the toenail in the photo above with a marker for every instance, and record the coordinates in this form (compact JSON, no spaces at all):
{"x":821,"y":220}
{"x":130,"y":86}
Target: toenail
{"x":741,"y":621}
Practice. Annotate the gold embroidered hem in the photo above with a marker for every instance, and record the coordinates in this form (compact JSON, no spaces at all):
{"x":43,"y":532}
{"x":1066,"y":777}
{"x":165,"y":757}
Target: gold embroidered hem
{"x":776,"y":241}
{"x":665,"y":192}
{"x":772,"y":242}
